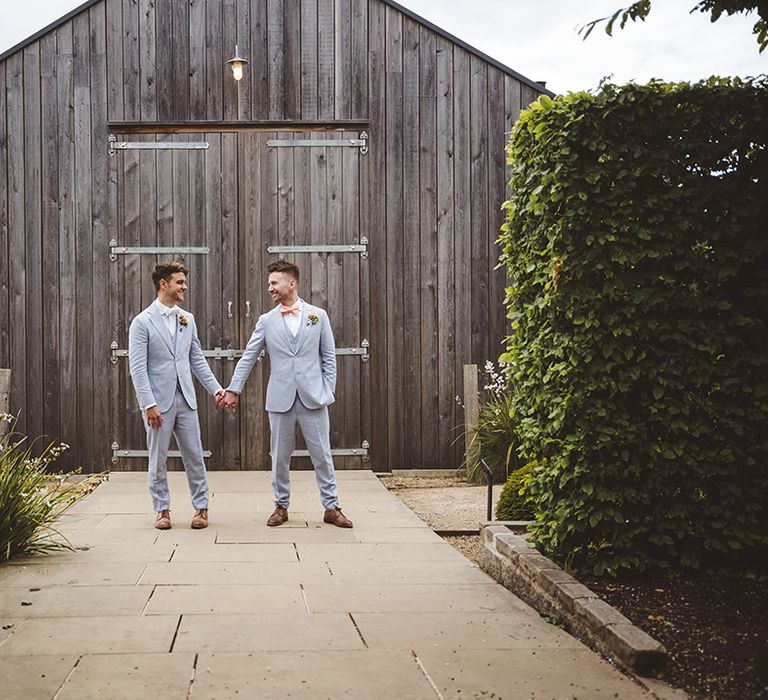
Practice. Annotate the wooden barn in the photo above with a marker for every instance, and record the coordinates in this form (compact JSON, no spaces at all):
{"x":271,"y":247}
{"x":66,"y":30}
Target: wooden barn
{"x":362,"y":141}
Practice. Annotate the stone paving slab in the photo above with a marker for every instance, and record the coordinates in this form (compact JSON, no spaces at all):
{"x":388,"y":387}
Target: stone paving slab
{"x":68,"y":635}
{"x":137,"y":503}
{"x":400,"y":572}
{"x":103,"y":553}
{"x":79,"y":521}
{"x":258,"y":533}
{"x":457,"y":630}
{"x":130,"y":677}
{"x":401,"y":534}
{"x":73,"y":601}
{"x":268,"y":632}
{"x":34,"y":677}
{"x":209,"y":553}
{"x":383,"y":598}
{"x":384,"y":505}
{"x":114,"y":537}
{"x":378,"y":552}
{"x":243,"y":573}
{"x":558,"y":673}
{"x":81,"y":573}
{"x":226,"y":599}
{"x":311,"y":675}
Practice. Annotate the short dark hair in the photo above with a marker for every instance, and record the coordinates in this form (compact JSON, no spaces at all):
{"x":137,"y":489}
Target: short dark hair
{"x":284,"y":266}
{"x":166,"y":270}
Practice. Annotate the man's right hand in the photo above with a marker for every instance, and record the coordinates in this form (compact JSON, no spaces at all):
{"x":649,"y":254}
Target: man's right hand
{"x":229,"y":401}
{"x":154,"y":417}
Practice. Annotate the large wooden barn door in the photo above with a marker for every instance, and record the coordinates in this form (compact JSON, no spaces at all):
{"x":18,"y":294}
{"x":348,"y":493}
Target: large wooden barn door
{"x":176,"y":199}
{"x":301,"y":197}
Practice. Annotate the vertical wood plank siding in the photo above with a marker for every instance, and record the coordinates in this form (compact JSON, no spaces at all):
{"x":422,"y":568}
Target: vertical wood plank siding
{"x":427,"y":196}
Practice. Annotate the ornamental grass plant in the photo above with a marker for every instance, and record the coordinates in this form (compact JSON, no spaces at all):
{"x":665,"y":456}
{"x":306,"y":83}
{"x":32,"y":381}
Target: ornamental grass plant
{"x":495,"y":439}
{"x":31,"y":498}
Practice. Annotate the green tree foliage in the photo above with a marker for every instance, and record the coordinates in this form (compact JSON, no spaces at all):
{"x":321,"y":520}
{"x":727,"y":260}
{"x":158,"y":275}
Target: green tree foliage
{"x":640,"y":10}
{"x":636,"y":239}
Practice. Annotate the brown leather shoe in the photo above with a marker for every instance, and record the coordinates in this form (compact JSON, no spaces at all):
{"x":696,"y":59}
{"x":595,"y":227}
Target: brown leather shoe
{"x":334,"y":516}
{"x":163,"y":521}
{"x":278,"y":517}
{"x":200,"y":520}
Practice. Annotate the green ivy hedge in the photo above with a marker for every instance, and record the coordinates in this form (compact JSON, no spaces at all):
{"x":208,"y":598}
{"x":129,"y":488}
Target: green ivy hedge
{"x":637,"y":239}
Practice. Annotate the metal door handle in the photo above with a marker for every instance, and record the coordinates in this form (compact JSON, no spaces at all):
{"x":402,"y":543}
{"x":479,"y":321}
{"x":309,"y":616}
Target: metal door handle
{"x":247,"y":309}
{"x":229,"y":309}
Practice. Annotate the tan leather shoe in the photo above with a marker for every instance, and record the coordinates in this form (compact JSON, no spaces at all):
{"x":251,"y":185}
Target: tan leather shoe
{"x":200,"y":520}
{"x":278,"y":517}
{"x":163,"y":521}
{"x":334,"y":516}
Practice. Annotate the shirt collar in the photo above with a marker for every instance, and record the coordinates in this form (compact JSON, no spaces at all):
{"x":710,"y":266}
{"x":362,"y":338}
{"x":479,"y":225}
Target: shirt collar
{"x":165,"y":310}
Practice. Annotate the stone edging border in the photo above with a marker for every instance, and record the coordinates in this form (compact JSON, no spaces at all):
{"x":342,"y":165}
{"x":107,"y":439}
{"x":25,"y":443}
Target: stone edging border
{"x":548,"y":589}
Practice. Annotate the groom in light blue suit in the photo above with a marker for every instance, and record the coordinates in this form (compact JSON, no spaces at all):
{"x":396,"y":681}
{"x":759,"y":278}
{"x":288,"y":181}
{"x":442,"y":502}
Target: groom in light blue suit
{"x":163,"y":352}
{"x":302,"y":382}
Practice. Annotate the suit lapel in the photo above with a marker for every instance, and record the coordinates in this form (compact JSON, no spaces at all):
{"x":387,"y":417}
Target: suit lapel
{"x":162,"y":329}
{"x":282,"y":328}
{"x":302,"y":334}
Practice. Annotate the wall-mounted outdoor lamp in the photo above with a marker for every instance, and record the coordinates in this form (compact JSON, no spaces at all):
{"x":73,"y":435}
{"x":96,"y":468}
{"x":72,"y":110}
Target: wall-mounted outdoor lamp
{"x":237,"y":64}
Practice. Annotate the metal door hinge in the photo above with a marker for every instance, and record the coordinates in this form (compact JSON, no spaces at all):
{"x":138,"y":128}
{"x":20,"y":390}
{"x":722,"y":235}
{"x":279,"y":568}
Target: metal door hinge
{"x":361,"y":248}
{"x":361,"y":451}
{"x":118,"y":454}
{"x":115,"y":250}
{"x":115,"y":145}
{"x":361,"y":143}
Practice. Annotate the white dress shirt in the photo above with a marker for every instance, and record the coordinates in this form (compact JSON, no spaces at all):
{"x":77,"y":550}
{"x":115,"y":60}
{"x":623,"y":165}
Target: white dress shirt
{"x":293,"y":321}
{"x":169,"y":314}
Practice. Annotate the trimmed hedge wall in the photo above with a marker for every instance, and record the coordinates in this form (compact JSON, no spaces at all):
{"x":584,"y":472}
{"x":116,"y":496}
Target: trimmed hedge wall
{"x":637,"y":240}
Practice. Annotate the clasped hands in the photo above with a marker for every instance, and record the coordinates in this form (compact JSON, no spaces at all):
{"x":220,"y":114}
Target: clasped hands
{"x":227,"y":400}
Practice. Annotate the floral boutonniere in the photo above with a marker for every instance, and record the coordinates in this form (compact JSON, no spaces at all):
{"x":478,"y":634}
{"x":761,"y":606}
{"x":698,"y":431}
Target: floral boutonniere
{"x":183,"y":322}
{"x":312,"y":319}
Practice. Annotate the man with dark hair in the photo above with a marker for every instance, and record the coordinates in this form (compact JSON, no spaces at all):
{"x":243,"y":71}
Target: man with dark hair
{"x":302,"y":382}
{"x":163,"y":352}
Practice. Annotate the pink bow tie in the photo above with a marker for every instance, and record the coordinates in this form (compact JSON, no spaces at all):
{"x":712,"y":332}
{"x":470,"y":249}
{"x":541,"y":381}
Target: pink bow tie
{"x":289,"y":309}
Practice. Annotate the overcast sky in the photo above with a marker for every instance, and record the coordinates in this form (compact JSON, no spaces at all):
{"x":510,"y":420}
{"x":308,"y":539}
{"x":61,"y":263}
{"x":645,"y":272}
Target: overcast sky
{"x":538,"y":38}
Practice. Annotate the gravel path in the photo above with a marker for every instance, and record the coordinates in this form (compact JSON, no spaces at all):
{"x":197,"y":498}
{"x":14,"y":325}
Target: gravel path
{"x":446,"y":503}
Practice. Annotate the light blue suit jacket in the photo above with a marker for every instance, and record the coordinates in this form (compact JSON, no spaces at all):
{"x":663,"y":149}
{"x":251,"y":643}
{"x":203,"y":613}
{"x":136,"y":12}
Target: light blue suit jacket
{"x":303,"y":366}
{"x":157,"y":364}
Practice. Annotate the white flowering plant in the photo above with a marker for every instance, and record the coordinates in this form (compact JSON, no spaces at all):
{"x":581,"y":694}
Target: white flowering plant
{"x":495,"y":440}
{"x":31,"y":498}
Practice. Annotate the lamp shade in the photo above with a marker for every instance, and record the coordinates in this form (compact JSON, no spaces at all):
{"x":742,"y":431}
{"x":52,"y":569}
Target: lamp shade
{"x":237,"y":63}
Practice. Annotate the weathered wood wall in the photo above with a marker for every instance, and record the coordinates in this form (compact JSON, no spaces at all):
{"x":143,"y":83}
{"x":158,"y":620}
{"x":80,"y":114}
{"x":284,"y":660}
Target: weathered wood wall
{"x":429,"y":193}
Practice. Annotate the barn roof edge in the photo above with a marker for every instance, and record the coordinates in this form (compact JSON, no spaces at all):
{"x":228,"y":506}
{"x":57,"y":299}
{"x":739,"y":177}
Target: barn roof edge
{"x":498,"y":64}
{"x":53,"y":25}
{"x":400,"y":8}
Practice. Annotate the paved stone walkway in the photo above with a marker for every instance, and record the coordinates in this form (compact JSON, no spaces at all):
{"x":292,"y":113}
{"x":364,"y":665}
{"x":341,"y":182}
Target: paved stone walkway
{"x":307,"y":610}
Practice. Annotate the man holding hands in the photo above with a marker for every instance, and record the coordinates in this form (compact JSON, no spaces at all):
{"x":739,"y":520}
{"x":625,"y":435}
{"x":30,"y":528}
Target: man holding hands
{"x":302,"y":382}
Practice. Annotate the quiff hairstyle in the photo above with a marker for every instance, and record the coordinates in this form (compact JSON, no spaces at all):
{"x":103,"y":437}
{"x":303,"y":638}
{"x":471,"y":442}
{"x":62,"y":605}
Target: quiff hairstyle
{"x":166,"y":270}
{"x":284,"y":266}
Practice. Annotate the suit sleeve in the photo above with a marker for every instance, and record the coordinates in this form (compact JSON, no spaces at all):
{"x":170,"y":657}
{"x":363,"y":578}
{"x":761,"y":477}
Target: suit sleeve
{"x":248,"y":360}
{"x":199,"y":364}
{"x":138,"y":339}
{"x":328,"y":353}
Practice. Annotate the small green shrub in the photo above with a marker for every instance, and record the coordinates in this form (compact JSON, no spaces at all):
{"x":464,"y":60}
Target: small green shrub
{"x":515,"y":500}
{"x":31,"y":499}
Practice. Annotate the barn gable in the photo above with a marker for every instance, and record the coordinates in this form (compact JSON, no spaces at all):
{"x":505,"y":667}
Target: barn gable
{"x":409,"y":181}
